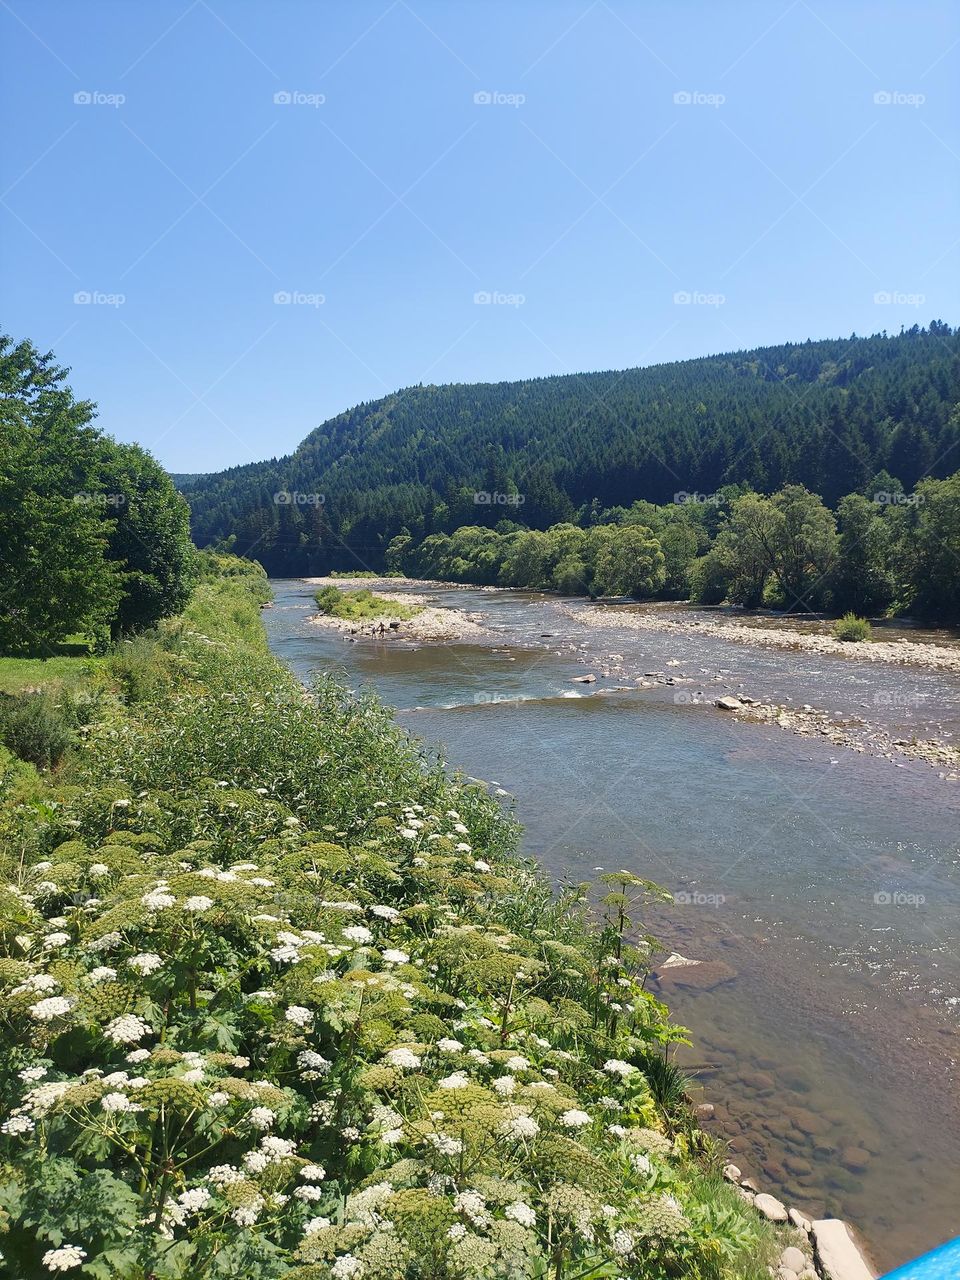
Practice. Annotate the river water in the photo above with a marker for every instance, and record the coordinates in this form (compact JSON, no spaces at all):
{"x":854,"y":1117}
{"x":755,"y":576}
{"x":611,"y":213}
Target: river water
{"x":825,"y":881}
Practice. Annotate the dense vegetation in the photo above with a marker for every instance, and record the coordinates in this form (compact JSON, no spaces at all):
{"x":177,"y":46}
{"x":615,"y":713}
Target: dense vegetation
{"x":826,"y":415}
{"x":886,"y":552}
{"x":94,"y":539}
{"x":277,"y":999}
{"x":361,"y":605}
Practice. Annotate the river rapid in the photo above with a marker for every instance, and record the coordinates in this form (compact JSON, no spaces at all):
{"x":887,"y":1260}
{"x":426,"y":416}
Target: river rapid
{"x":826,"y":882}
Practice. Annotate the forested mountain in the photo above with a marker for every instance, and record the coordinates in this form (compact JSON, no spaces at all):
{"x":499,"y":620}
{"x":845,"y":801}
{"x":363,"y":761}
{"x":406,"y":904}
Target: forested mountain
{"x":827,"y":414}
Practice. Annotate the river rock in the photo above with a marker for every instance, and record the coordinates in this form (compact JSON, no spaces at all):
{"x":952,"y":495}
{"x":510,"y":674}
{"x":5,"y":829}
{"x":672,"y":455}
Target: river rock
{"x":855,"y":1159}
{"x":728,"y":704}
{"x":705,"y":1111}
{"x":799,"y":1221}
{"x":771,"y":1207}
{"x":793,"y":1259}
{"x":732,"y":1173}
{"x":584,"y":679}
{"x":702,"y":975}
{"x":838,"y":1252}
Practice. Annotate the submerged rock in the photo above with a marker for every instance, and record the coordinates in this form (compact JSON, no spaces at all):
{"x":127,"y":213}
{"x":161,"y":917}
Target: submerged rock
{"x":838,"y":1253}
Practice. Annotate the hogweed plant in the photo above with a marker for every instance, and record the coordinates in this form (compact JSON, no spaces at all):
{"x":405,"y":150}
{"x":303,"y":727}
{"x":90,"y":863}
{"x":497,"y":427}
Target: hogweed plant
{"x":277,"y":1000}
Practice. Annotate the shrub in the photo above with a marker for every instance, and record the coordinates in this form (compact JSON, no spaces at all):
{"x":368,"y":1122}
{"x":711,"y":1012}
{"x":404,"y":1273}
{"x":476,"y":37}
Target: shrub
{"x":361,"y":605}
{"x":38,"y":726}
{"x":850,"y":627}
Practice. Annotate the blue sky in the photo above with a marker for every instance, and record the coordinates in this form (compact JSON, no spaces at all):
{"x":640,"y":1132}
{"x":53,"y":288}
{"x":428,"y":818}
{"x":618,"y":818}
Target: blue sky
{"x":778,"y":164}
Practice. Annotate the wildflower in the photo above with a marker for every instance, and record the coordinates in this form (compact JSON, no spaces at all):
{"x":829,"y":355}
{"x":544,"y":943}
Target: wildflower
{"x":138,"y":1055}
{"x":262,"y":1117}
{"x":616,"y":1067}
{"x":358,"y":933}
{"x":313,"y":1061}
{"x":574,"y":1119}
{"x":461,"y":829}
{"x":29,"y":1074}
{"x":146,"y":962}
{"x":622,"y":1243}
{"x":194,"y":1075}
{"x":37,"y":982}
{"x":198,"y":903}
{"x":55,"y":940}
{"x":385,"y":913}
{"x":473,"y":1206}
{"x":118,"y":1102}
{"x":127,"y":1029}
{"x":222,"y":1175}
{"x":218,"y":1098}
{"x":520,"y":1127}
{"x":256,"y":1161}
{"x":457,"y":1231}
{"x":347,"y":1267}
{"x":64,"y":1258}
{"x":103,"y":973}
{"x":504,"y":1085}
{"x":194,"y":1200}
{"x":285,"y":954}
{"x":641,"y":1163}
{"x":43,"y":1097}
{"x":158,"y":900}
{"x":405,"y":1059}
{"x":408,"y":833}
{"x":105,"y":943}
{"x":458,"y":1080}
{"x":47,"y":1010}
{"x":522,"y":1213}
{"x":17,"y":1124}
{"x":309,"y":1192}
{"x":97,"y":869}
{"x":517,"y":1063}
{"x":393,"y":956}
{"x":447,"y":1045}
{"x":444,"y":1144}
{"x":247,"y":1217}
{"x":616,"y":1130}
{"x":299,"y":1016}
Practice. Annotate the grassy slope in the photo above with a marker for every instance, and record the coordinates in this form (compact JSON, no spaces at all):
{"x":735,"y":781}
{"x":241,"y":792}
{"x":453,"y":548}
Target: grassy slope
{"x":286,"y":820}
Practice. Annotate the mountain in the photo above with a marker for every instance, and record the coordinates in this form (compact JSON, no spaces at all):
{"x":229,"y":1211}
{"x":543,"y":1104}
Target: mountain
{"x":827,"y":414}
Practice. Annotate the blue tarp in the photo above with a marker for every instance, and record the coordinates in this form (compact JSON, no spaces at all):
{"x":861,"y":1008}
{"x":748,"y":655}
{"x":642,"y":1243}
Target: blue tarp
{"x":941,"y":1264}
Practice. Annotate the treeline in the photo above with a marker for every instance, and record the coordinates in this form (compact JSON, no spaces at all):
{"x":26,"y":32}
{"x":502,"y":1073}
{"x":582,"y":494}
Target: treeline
{"x":827,"y":415}
{"x":94,"y":539}
{"x":883,"y":551}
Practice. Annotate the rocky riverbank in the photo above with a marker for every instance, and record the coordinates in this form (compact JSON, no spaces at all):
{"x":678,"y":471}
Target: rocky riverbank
{"x":901,"y":651}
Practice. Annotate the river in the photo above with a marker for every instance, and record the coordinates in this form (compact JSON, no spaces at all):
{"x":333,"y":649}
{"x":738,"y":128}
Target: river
{"x":828,"y":882}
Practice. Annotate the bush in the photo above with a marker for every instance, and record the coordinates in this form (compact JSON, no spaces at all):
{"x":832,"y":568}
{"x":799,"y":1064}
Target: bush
{"x":850,"y":627}
{"x":361,"y":605}
{"x":38,"y":727}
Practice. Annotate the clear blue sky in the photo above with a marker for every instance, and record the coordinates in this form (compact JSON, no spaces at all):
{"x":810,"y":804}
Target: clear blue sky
{"x":783,"y":188}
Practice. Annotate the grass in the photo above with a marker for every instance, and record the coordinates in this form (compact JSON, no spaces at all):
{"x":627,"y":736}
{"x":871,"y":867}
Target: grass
{"x":17,"y":674}
{"x":361,"y":606}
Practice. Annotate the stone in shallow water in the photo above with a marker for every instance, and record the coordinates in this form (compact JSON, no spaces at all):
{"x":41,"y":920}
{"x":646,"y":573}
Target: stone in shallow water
{"x":704,"y":975}
{"x":838,"y":1252}
{"x":771,"y":1207}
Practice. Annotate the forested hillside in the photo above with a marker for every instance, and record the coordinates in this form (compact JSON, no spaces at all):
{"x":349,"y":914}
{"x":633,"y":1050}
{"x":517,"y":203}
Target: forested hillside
{"x":828,"y":415}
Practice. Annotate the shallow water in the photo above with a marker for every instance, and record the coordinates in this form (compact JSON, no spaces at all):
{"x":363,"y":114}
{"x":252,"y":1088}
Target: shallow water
{"x":826,"y":880}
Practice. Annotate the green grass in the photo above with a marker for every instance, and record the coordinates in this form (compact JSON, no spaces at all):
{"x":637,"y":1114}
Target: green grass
{"x":361,"y":606}
{"x":17,"y":674}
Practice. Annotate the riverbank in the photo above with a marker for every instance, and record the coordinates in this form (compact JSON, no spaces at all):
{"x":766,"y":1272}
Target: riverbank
{"x":428,"y":623}
{"x":901,"y":651}
{"x":264,"y":907}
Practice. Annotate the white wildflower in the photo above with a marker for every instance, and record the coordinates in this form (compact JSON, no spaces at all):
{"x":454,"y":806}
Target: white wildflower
{"x":65,"y":1258}
{"x":522,"y":1213}
{"x":405,"y":1059}
{"x":127,"y":1029}
{"x":199,"y":902}
{"x":146,"y":962}
{"x":574,"y":1119}
{"x":50,"y":1008}
{"x":262,"y":1117}
{"x":616,"y":1067}
{"x":299,"y":1016}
